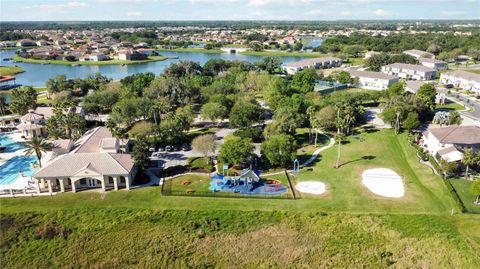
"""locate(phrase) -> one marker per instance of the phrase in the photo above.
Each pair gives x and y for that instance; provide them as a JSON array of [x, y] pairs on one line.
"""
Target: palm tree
[[468, 159], [37, 145], [341, 124], [3, 104]]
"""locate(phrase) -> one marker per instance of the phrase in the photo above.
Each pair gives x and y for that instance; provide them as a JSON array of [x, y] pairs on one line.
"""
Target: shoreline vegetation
[[10, 70], [279, 53], [201, 50], [108, 62]]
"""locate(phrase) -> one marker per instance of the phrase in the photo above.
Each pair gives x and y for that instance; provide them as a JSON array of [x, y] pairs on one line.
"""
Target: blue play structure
[[249, 183]]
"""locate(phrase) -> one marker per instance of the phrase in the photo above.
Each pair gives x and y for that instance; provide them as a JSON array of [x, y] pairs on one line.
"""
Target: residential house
[[412, 86], [432, 63], [26, 43], [42, 43], [373, 80], [462, 79], [449, 143], [419, 54], [128, 55], [7, 44], [410, 71], [95, 160], [96, 57], [316, 63], [147, 52]]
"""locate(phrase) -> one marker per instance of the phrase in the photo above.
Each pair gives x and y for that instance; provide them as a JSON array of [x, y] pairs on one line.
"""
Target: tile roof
[[104, 163], [91, 141], [414, 85], [371, 74], [465, 75], [468, 135], [411, 67]]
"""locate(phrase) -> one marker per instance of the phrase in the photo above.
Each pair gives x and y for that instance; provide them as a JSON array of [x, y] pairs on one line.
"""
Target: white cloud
[[134, 14], [58, 8], [279, 3], [382, 13], [315, 12]]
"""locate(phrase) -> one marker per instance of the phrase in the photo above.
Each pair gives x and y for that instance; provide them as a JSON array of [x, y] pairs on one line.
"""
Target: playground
[[248, 183]]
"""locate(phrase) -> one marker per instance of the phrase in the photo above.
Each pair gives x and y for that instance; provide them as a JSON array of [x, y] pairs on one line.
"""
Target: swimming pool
[[10, 144], [9, 171]]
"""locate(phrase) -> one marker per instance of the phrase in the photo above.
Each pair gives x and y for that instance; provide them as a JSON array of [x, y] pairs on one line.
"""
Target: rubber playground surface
[[247, 187]]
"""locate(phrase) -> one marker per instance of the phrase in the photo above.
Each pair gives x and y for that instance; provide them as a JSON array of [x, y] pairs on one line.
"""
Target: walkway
[[311, 159]]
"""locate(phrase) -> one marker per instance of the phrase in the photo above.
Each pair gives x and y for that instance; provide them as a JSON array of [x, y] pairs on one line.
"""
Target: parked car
[[169, 148], [161, 148], [449, 86]]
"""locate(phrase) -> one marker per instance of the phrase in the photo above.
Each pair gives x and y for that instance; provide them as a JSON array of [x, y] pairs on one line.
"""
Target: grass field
[[10, 70], [476, 71], [348, 227], [450, 106], [122, 238], [462, 187], [108, 62]]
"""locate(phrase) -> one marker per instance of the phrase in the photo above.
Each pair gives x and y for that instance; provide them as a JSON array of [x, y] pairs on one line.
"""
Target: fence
[[168, 189]]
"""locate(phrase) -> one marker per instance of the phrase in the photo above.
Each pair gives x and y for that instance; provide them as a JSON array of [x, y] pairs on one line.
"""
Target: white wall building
[[316, 63], [373, 80], [432, 63], [462, 79], [419, 53], [410, 71], [448, 143]]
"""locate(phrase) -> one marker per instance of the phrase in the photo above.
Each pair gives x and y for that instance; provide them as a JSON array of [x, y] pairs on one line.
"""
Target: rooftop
[[465, 75], [468, 135], [371, 74], [415, 67]]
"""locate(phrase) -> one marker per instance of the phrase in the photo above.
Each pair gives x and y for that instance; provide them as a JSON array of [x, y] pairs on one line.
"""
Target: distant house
[[316, 63], [59, 42], [432, 63], [449, 143], [96, 160], [93, 57], [419, 53], [462, 79], [410, 71], [141, 45], [412, 86], [128, 55], [7, 44], [373, 80], [147, 52], [42, 43], [26, 43]]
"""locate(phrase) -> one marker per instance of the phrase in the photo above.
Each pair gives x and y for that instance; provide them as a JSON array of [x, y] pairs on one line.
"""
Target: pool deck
[[17, 137]]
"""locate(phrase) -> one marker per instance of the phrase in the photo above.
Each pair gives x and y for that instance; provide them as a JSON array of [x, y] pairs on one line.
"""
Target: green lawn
[[462, 186], [10, 70], [450, 106], [192, 50], [348, 227], [108, 62], [477, 71]]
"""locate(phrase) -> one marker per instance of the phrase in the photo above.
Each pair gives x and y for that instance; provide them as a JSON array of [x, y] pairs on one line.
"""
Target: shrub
[[199, 163]]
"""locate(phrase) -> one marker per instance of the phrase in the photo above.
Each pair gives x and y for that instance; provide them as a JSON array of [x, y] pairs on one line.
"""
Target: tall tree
[[205, 144], [37, 145], [140, 152], [279, 150], [468, 160], [236, 150], [23, 99]]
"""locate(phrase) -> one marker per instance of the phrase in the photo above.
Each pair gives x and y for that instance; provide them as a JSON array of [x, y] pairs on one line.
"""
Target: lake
[[37, 74]]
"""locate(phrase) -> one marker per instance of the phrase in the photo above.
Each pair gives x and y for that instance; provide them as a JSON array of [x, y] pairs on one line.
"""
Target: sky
[[85, 10]]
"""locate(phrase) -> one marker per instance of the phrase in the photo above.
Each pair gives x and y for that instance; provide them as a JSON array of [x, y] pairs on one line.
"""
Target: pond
[[37, 74]]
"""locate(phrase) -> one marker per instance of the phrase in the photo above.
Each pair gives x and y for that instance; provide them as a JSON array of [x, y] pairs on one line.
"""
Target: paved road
[[475, 104]]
